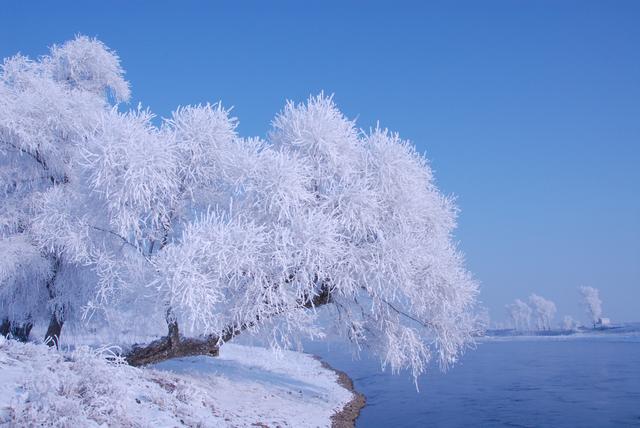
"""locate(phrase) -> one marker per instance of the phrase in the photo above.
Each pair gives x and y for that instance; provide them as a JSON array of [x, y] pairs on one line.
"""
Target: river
[[506, 382]]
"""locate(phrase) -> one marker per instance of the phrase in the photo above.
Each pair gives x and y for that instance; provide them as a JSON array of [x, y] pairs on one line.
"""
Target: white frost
[[126, 221], [244, 386]]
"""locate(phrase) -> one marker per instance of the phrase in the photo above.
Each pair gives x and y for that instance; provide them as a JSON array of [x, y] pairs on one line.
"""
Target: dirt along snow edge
[[346, 418], [244, 386]]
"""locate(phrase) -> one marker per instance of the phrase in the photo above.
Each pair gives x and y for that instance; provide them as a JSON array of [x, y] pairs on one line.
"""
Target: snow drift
[[245, 386]]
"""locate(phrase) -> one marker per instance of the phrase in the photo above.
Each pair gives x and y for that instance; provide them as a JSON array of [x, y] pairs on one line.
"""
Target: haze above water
[[575, 381]]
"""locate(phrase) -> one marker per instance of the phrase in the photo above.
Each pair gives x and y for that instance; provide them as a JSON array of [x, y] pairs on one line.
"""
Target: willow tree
[[181, 222]]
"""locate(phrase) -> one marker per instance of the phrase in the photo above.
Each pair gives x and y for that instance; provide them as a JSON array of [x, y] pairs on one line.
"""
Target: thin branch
[[38, 158], [425, 324], [122, 238], [26, 152]]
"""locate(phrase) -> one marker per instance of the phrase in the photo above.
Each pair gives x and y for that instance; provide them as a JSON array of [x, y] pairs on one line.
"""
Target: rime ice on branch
[[189, 224]]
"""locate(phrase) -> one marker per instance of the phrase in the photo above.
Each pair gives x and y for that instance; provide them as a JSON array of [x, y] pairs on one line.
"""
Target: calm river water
[[507, 382]]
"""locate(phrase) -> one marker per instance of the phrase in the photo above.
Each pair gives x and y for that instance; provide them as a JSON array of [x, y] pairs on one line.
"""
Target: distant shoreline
[[345, 418], [601, 331]]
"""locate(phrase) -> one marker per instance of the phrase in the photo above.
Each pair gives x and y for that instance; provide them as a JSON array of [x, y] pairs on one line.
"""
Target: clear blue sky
[[528, 110]]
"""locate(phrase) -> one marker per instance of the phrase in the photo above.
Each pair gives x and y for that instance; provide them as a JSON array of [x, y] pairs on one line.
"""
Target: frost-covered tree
[[544, 310], [48, 109], [520, 314], [592, 303], [569, 324], [190, 226]]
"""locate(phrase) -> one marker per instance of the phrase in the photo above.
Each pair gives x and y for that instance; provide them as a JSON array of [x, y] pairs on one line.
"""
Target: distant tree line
[[540, 312]]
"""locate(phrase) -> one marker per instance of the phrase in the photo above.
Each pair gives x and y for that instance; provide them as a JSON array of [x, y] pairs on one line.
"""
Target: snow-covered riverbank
[[245, 386]]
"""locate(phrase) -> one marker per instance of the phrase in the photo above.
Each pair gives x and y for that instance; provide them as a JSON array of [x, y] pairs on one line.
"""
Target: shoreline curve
[[345, 418]]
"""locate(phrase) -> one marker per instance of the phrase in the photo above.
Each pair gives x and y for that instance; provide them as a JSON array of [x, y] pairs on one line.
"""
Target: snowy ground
[[245, 386]]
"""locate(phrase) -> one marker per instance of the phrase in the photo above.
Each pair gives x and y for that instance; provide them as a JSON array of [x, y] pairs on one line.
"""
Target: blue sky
[[528, 110]]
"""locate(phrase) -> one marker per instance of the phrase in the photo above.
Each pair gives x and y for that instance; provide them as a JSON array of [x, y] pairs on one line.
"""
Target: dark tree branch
[[35, 156], [411, 317]]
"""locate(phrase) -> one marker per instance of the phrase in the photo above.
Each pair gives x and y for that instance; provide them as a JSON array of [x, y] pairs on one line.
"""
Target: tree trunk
[[21, 332], [165, 348], [52, 337], [18, 331], [5, 327], [172, 346]]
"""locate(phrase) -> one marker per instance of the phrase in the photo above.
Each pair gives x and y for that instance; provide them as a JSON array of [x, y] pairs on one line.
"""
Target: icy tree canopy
[[113, 218]]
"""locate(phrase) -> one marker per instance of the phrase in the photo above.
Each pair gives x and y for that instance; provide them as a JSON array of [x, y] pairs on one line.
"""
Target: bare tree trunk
[[165, 349], [21, 332], [5, 327], [52, 337], [174, 346], [18, 331]]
